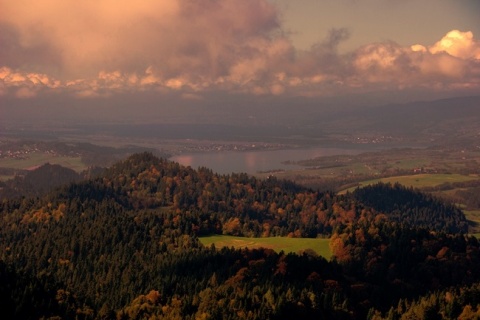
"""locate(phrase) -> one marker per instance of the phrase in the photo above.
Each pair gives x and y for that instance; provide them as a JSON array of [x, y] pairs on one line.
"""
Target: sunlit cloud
[[451, 63], [458, 44], [100, 48]]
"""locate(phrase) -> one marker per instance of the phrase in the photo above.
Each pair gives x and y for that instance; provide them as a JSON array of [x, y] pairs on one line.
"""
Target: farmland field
[[38, 159], [419, 180], [474, 217], [295, 245]]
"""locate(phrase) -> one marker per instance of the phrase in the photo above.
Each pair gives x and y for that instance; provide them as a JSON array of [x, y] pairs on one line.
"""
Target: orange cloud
[[458, 44], [99, 48], [175, 36], [452, 62]]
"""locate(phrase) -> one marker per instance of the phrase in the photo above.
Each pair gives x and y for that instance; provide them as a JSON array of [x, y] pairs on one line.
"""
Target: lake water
[[254, 161]]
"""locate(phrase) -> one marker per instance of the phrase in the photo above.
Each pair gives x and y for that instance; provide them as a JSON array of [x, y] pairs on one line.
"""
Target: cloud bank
[[100, 48]]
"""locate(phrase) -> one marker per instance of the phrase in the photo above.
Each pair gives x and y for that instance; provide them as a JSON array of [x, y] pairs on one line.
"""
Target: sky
[[96, 52]]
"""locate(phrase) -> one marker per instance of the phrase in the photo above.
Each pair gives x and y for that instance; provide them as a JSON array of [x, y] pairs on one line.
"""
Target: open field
[[463, 160], [320, 246], [419, 180], [474, 217], [38, 159]]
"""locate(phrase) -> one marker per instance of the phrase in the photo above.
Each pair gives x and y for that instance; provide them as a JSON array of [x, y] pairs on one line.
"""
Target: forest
[[124, 244]]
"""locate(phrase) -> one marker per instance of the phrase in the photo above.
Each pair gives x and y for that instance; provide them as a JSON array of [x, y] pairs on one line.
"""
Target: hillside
[[125, 245], [38, 181]]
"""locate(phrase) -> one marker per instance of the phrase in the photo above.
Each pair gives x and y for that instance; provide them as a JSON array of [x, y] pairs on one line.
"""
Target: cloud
[[101, 48], [174, 36], [458, 44], [451, 63]]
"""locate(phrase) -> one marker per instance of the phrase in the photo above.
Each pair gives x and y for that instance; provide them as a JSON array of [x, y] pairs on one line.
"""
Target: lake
[[254, 161]]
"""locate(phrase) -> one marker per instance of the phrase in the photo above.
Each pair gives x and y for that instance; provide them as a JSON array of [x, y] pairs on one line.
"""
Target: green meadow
[[418, 180], [295, 245], [474, 217], [37, 159]]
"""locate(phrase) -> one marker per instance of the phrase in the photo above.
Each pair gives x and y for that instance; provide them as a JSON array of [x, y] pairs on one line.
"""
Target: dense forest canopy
[[124, 245]]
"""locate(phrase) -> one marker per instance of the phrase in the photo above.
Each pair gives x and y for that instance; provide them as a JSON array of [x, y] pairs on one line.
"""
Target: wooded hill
[[38, 182], [125, 245]]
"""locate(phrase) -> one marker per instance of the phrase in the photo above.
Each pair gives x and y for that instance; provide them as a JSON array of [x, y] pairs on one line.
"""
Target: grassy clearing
[[474, 217], [320, 246], [38, 159], [419, 180]]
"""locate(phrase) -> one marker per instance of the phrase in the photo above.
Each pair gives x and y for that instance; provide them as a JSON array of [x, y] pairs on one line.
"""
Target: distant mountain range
[[438, 121], [458, 116], [294, 119]]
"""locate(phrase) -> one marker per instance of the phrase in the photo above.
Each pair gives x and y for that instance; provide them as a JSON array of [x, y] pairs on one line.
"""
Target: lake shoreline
[[255, 161]]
